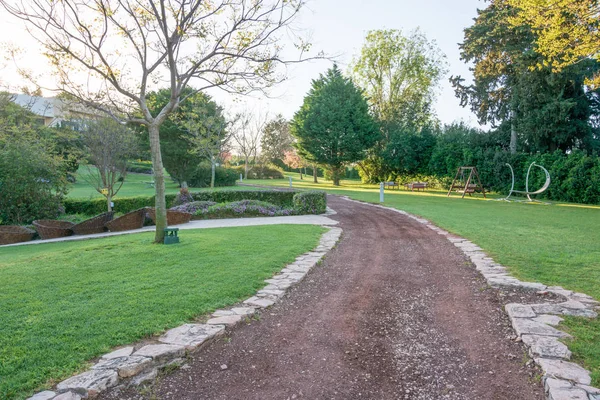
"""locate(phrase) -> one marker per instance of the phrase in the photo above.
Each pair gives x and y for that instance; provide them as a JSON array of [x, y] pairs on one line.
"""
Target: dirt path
[[395, 312]]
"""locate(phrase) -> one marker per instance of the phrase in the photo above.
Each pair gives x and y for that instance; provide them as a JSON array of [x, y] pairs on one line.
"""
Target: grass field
[[134, 185], [557, 244], [62, 304]]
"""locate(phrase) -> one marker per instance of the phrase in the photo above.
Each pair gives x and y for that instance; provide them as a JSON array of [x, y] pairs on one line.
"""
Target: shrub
[[312, 202], [184, 196], [262, 172], [122, 204], [277, 197], [32, 182], [223, 176], [140, 167], [245, 208], [194, 206]]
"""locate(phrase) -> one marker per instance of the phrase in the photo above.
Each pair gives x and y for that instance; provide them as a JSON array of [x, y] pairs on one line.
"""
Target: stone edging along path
[[534, 324], [134, 365]]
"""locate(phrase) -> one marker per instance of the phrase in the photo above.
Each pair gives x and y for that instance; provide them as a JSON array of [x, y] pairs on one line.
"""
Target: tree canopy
[[333, 126]]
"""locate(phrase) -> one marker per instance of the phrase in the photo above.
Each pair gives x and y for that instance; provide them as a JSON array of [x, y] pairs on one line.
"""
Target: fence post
[[381, 192]]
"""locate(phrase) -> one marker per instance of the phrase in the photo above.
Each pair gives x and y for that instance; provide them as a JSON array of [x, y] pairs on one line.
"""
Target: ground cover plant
[[243, 208], [62, 304], [554, 244]]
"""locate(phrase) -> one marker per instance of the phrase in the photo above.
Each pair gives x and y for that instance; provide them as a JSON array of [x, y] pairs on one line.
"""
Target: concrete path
[[204, 224]]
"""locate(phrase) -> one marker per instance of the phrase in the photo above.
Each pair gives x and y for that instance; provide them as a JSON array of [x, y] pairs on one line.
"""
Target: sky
[[336, 27]]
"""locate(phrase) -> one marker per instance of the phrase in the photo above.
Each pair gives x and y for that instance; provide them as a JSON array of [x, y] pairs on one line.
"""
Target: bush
[[127, 204], [277, 197], [245, 208], [194, 206], [122, 204], [312, 202], [223, 176], [261, 172], [140, 167], [184, 196], [32, 182]]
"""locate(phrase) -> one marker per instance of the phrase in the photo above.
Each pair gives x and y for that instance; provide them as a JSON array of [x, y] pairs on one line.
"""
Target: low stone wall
[[133, 365], [534, 324]]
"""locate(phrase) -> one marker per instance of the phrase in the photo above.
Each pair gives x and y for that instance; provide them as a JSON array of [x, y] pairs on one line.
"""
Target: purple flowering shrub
[[184, 196], [243, 208], [194, 206]]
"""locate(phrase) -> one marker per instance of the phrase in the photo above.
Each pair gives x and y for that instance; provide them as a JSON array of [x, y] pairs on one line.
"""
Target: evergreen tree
[[333, 127]]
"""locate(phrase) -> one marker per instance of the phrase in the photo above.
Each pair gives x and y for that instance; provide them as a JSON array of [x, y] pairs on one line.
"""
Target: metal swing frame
[[526, 191]]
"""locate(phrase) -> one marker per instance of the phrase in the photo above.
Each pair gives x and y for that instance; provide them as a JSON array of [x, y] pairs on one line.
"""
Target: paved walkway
[[395, 312], [203, 224]]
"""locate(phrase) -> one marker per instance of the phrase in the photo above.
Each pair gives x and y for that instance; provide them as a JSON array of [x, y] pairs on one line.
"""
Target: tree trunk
[[315, 180], [513, 135], [212, 172], [245, 168], [300, 170], [159, 184], [108, 201]]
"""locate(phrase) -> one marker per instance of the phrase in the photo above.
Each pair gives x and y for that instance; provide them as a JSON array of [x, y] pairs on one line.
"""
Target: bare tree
[[109, 146], [246, 134], [108, 54], [209, 135]]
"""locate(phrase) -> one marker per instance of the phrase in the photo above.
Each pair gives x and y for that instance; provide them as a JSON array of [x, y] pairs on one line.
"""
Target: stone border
[[534, 324], [133, 365]]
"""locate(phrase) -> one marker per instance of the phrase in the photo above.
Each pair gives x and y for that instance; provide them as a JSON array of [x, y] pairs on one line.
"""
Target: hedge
[[127, 204], [312, 202]]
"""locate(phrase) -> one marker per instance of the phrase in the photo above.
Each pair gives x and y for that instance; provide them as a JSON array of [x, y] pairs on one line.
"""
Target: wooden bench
[[416, 185], [388, 185]]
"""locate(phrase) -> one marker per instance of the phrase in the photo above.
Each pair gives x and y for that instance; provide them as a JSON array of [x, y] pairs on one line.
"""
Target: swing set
[[467, 186]]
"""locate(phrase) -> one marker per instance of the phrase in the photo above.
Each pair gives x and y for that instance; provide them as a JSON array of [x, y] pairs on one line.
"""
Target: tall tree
[[182, 131], [276, 139], [399, 74], [546, 110], [567, 30], [109, 54], [333, 126], [109, 145]]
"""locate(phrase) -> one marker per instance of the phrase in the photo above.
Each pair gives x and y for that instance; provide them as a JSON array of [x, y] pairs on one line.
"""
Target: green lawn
[[62, 304], [135, 185], [556, 244]]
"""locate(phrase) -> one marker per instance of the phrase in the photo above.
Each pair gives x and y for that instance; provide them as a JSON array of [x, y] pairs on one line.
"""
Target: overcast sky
[[335, 27]]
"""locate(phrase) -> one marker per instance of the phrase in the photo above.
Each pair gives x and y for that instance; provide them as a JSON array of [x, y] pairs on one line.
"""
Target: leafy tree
[[293, 160], [333, 127], [276, 139], [182, 132], [550, 110], [567, 30], [32, 182], [108, 55], [109, 146], [399, 74]]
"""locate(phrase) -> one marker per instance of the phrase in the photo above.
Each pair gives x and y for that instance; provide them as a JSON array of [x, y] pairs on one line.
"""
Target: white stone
[[547, 319], [272, 292], [228, 320], [91, 382], [243, 310], [125, 366], [68, 396], [515, 310], [590, 389], [190, 335], [546, 346], [124, 352], [258, 302], [222, 313], [145, 377], [160, 352], [571, 307], [45, 395], [524, 326], [564, 370], [567, 394]]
